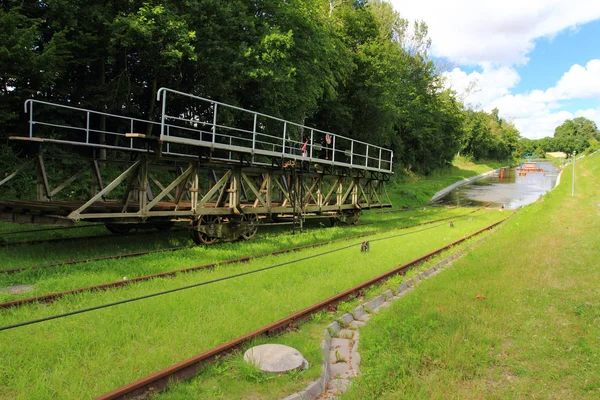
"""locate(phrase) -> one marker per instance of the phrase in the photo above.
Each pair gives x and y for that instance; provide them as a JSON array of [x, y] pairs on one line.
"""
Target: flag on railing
[[328, 138]]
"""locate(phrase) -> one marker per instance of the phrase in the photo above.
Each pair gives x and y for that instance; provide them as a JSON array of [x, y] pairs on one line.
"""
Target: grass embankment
[[88, 354], [518, 317]]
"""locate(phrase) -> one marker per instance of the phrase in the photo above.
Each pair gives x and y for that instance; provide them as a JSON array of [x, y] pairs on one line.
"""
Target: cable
[[85, 310]]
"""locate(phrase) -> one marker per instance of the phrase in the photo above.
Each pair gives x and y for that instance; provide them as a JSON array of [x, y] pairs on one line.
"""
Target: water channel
[[510, 188]]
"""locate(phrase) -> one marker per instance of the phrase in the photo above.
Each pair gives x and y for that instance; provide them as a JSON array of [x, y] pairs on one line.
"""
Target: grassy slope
[[535, 335], [417, 190]]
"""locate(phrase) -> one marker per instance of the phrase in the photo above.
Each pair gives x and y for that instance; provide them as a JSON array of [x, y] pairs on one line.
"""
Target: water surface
[[508, 189]]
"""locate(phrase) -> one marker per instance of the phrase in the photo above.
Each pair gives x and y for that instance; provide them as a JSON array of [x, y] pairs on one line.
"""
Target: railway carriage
[[223, 169]]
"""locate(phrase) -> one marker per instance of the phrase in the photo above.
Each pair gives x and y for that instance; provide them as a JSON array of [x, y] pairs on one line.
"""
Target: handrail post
[[333, 150], [284, 132], [379, 168], [254, 133], [214, 127], [312, 133], [87, 128], [130, 130], [168, 143], [391, 159], [164, 109], [352, 152], [30, 119], [367, 157]]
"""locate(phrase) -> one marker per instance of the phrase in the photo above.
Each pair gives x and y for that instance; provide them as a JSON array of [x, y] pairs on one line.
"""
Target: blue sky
[[537, 61], [553, 56]]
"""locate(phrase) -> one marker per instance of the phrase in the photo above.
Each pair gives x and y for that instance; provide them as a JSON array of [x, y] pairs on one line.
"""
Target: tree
[[574, 135]]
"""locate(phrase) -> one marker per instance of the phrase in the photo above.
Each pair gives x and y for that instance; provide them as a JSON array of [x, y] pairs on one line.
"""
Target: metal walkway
[[230, 133]]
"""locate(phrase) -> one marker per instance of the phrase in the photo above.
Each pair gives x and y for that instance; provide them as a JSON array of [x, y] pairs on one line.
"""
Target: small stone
[[18, 289], [275, 358]]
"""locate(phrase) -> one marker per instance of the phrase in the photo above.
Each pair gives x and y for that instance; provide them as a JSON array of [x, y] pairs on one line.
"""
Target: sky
[[537, 61]]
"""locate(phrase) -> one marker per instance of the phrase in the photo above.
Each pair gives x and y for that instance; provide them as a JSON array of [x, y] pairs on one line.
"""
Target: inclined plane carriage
[[224, 169]]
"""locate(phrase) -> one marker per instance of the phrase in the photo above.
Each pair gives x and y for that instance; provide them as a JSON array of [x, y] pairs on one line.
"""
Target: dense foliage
[[487, 137], [574, 135], [354, 67]]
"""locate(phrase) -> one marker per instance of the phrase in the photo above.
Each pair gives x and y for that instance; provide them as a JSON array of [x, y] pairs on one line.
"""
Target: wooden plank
[[26, 139]]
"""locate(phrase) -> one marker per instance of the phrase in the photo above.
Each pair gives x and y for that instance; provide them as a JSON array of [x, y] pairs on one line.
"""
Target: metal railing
[[84, 127], [205, 123], [223, 126]]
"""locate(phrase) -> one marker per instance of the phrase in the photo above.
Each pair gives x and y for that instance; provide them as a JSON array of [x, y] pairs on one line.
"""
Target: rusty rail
[[86, 260], [158, 381], [74, 238], [47, 298]]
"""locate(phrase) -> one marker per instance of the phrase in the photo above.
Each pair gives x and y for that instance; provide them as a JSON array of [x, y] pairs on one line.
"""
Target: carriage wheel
[[118, 229], [201, 237], [252, 218]]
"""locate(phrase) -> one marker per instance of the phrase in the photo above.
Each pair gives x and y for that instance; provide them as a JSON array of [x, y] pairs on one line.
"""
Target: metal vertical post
[[163, 116], [254, 134], [312, 133], [352, 152], [169, 144], [87, 128], [367, 156], [31, 119], [333, 150], [214, 127], [391, 160], [573, 183], [130, 130], [284, 131], [379, 167]]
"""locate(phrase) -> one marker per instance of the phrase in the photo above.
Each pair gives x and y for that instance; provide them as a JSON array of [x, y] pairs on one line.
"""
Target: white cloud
[[537, 113], [496, 36], [578, 83], [473, 32], [481, 88]]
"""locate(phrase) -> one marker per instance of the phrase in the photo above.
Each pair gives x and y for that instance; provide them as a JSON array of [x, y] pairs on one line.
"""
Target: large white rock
[[275, 358]]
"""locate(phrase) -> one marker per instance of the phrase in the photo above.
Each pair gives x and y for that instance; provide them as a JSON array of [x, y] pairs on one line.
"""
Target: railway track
[[79, 238], [115, 284], [159, 380], [56, 228], [142, 253]]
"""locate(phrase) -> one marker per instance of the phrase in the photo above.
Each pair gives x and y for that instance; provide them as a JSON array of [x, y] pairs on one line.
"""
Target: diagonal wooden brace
[[76, 215]]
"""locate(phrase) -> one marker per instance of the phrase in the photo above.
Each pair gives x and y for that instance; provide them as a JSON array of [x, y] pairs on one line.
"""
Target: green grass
[[230, 377], [535, 335], [79, 275], [85, 355]]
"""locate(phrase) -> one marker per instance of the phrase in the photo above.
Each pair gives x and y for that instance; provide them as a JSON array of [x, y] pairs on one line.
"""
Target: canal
[[509, 188]]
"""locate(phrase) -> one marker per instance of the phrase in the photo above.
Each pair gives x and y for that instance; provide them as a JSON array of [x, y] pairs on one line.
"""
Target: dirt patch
[[18, 289]]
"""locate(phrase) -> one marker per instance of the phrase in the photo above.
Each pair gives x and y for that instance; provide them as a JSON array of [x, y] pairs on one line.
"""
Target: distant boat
[[529, 167]]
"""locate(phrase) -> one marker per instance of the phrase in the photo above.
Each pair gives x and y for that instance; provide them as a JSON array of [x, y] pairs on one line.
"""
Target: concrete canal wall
[[450, 188]]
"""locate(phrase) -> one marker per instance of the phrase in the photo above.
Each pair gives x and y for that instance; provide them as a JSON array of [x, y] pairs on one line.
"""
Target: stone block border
[[341, 359]]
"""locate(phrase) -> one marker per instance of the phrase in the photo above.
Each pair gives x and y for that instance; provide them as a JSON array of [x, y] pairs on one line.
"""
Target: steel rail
[[56, 228], [158, 381], [87, 260], [142, 253], [74, 238], [50, 297]]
